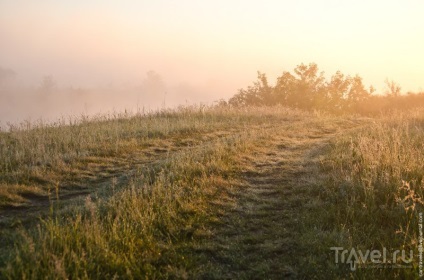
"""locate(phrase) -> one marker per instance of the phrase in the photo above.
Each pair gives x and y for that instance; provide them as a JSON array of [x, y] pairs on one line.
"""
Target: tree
[[153, 83], [284, 89], [306, 89], [393, 89], [48, 84], [337, 91], [310, 86], [261, 93], [357, 94]]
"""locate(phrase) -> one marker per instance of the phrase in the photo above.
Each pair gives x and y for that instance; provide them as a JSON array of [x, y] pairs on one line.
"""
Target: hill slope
[[217, 193]]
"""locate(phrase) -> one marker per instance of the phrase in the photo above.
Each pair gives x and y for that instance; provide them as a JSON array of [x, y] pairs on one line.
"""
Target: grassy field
[[211, 193], [372, 195]]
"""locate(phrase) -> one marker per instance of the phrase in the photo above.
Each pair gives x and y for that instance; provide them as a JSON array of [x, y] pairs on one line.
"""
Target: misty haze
[[50, 100], [211, 139]]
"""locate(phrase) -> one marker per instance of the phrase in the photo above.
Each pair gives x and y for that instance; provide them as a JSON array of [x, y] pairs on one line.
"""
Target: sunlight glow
[[202, 42]]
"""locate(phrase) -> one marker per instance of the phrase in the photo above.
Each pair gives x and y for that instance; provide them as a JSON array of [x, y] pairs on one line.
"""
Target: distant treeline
[[308, 89]]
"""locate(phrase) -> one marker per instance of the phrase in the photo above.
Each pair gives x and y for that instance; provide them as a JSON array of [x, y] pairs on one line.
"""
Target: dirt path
[[96, 175], [259, 238]]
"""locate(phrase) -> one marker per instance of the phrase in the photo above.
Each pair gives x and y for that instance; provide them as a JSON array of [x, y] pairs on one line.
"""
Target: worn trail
[[259, 238]]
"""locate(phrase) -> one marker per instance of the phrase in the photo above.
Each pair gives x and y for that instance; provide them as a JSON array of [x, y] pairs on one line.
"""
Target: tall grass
[[38, 156], [143, 229], [373, 194], [137, 233], [31, 144], [366, 194]]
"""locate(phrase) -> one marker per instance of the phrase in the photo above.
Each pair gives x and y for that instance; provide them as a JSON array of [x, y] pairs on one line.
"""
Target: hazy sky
[[215, 44]]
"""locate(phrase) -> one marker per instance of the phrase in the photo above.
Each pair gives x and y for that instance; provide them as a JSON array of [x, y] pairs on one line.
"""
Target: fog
[[104, 56], [49, 100]]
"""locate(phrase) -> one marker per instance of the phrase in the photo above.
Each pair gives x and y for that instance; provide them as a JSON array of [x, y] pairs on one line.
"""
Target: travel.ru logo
[[372, 258]]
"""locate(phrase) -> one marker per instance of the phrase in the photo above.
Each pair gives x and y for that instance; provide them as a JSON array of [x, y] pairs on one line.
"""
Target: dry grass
[[71, 152], [138, 229], [371, 196], [258, 236], [14, 195], [213, 193]]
